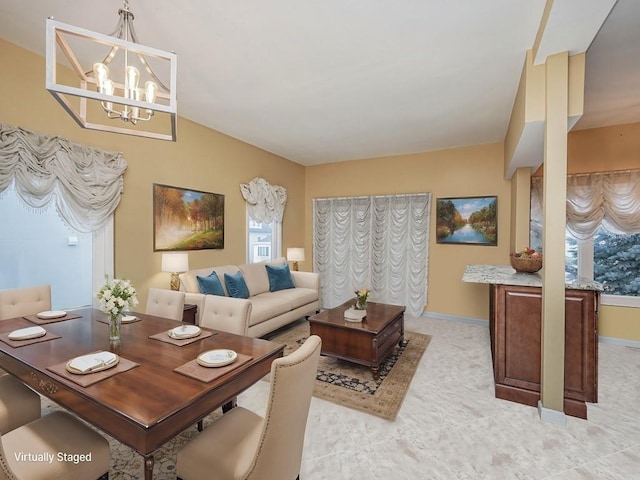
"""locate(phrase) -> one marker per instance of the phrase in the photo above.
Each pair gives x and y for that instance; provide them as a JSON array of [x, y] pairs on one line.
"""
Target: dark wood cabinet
[[515, 329], [189, 315]]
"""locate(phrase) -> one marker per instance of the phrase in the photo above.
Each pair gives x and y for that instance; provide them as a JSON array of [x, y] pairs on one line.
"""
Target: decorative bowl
[[525, 264]]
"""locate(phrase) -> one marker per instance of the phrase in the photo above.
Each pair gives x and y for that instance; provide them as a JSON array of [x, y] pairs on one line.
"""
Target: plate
[[129, 318], [217, 358], [27, 333], [92, 363], [51, 314], [184, 331], [353, 315]]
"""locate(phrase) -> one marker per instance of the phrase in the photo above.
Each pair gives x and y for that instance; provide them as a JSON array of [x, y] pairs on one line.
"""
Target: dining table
[[158, 388]]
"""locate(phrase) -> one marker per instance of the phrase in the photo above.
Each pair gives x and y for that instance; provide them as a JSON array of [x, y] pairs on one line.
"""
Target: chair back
[[17, 302], [165, 303], [279, 453], [226, 314]]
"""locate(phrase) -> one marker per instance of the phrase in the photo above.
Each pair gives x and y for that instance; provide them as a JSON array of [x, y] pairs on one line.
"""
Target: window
[[263, 240], [39, 249]]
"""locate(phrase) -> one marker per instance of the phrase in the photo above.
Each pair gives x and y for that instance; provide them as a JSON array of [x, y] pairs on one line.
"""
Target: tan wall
[[461, 172], [201, 159]]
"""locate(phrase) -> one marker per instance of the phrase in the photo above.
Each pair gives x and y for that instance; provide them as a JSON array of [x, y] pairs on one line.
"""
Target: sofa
[[269, 305]]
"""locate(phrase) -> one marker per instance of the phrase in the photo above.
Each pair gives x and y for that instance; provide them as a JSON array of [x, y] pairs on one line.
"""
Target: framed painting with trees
[[467, 220], [186, 219]]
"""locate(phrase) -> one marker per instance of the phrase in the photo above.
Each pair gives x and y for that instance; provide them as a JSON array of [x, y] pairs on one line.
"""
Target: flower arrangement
[[361, 298], [114, 296]]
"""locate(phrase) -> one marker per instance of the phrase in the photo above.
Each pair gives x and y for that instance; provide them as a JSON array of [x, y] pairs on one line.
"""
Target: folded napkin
[[185, 331], [86, 363]]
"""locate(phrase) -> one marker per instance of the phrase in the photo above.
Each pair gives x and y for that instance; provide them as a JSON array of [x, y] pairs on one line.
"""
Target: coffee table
[[367, 342]]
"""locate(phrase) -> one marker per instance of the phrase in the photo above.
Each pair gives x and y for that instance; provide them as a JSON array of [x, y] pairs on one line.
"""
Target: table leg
[[376, 372], [148, 467], [229, 405]]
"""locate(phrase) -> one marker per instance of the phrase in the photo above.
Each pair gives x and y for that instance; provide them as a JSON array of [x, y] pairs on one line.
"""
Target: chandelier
[[115, 87]]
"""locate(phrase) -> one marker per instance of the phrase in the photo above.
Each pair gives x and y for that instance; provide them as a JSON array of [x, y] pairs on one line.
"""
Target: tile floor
[[451, 426]]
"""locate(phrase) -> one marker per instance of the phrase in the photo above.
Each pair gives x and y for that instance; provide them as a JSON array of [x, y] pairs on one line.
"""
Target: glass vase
[[115, 322], [361, 303]]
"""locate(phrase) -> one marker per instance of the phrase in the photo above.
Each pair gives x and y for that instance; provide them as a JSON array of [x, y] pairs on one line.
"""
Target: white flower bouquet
[[115, 295]]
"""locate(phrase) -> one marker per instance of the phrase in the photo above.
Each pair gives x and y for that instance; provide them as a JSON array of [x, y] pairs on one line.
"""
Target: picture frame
[[186, 219], [467, 220]]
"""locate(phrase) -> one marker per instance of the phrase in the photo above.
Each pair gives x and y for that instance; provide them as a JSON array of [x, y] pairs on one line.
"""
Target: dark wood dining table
[[145, 406]]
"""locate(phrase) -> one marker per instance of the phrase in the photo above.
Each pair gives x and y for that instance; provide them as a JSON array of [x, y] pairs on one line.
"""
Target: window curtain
[[265, 202], [610, 199], [376, 242], [86, 182]]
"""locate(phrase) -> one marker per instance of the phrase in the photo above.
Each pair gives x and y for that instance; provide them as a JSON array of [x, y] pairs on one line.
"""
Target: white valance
[[266, 202], [86, 182], [608, 199]]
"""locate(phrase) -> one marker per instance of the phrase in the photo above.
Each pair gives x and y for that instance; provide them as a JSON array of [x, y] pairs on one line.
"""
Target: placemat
[[91, 378], [23, 343], [206, 374], [106, 320], [44, 321], [164, 337]]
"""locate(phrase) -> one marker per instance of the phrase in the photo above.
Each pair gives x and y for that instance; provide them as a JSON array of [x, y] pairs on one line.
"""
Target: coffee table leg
[[376, 372], [148, 467]]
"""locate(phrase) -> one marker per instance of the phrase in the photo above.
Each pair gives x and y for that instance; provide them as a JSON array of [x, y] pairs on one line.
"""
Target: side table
[[189, 315]]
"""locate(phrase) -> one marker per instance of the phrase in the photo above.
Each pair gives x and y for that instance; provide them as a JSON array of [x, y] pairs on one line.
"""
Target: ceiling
[[336, 80]]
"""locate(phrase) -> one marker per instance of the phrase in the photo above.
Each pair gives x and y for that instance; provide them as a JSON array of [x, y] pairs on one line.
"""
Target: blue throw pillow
[[236, 286], [210, 285], [279, 277]]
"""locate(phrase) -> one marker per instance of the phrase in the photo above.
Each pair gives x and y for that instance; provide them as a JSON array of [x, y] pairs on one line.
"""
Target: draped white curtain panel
[[86, 182], [610, 199], [265, 202], [376, 242]]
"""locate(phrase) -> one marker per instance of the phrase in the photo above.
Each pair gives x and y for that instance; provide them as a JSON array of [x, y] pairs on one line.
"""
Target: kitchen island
[[515, 318]]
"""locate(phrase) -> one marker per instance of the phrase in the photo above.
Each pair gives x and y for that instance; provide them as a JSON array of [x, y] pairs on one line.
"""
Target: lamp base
[[295, 266], [175, 281]]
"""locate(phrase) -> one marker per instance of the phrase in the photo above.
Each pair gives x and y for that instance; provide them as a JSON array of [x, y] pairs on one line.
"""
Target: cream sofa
[[266, 310]]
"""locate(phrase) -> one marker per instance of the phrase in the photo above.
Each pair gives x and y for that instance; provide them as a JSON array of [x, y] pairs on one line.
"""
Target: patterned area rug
[[353, 385]]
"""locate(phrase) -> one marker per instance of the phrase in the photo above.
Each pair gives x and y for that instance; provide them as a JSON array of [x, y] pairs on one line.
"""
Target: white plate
[[51, 314], [27, 333], [184, 331], [93, 362], [129, 318], [353, 315], [217, 358]]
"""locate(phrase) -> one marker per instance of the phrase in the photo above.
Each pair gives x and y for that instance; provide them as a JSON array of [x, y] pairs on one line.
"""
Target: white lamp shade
[[175, 262], [295, 254]]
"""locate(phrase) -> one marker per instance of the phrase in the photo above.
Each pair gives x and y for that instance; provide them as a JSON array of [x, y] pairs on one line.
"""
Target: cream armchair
[[244, 445], [17, 302]]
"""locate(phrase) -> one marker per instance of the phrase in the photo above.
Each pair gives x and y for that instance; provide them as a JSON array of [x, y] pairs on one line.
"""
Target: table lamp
[[175, 263], [295, 255]]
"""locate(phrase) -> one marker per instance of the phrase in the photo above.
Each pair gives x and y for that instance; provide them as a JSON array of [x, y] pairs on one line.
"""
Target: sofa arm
[[306, 280], [227, 314]]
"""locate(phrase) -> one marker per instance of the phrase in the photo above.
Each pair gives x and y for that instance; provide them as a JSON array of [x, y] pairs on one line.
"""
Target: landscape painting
[[467, 220], [187, 219]]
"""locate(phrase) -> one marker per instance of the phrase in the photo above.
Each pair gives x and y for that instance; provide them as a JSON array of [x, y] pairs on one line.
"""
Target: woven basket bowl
[[526, 264]]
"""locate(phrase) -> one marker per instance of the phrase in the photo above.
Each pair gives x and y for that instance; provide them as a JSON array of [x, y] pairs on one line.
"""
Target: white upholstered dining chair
[[17, 302], [242, 445], [233, 318], [52, 435], [165, 303]]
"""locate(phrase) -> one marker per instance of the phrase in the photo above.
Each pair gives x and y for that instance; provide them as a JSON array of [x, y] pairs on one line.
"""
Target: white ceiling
[[336, 80]]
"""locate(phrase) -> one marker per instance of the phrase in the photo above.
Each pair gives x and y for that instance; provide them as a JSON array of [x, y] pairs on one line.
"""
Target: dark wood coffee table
[[367, 342]]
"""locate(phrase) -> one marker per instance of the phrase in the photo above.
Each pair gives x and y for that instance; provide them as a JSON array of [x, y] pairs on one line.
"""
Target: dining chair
[[243, 445], [53, 447], [19, 404], [233, 318], [165, 303], [17, 302]]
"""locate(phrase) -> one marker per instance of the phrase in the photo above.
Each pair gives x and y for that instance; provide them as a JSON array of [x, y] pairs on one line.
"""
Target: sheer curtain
[[377, 242], [610, 199]]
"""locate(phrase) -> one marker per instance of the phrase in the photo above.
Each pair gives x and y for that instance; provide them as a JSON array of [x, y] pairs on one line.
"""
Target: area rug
[[353, 385]]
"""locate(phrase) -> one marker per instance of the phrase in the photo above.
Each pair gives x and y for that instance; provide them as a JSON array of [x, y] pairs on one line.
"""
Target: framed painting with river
[[467, 220]]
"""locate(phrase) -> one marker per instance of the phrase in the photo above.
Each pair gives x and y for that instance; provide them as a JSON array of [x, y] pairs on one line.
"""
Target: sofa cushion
[[210, 285], [297, 297], [189, 280], [279, 277], [255, 276], [267, 306], [236, 285]]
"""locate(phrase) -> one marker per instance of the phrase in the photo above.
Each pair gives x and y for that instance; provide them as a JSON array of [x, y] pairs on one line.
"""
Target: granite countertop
[[506, 275]]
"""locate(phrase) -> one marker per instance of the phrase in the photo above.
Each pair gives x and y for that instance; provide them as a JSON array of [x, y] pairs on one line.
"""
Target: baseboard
[[620, 342], [548, 415], [456, 318]]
